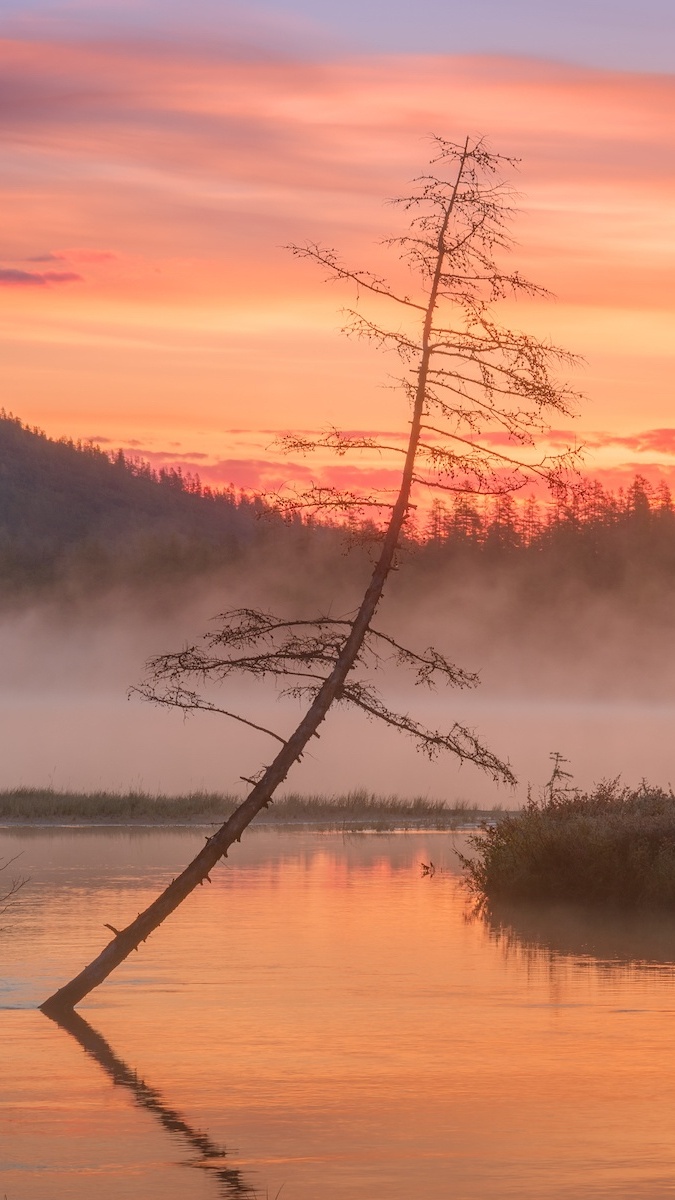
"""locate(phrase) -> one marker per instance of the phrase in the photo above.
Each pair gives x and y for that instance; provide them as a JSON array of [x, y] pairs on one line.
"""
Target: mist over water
[[591, 676]]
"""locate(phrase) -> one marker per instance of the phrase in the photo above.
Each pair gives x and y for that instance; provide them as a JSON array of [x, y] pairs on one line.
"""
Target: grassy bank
[[358, 810], [613, 846]]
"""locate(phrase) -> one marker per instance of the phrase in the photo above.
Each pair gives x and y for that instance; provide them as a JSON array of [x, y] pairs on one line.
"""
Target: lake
[[326, 1022]]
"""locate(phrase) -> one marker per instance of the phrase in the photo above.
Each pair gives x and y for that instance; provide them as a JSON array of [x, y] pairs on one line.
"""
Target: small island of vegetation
[[613, 845]]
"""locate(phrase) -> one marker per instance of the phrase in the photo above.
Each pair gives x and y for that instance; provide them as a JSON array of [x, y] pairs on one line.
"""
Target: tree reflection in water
[[231, 1183]]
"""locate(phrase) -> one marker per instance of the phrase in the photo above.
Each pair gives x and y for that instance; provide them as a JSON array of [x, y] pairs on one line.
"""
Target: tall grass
[[613, 845], [353, 811]]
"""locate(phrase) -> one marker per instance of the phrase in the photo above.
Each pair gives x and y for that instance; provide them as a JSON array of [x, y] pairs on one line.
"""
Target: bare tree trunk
[[217, 846]]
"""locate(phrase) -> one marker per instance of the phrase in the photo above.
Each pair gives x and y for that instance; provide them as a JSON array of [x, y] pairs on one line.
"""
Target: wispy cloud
[[176, 172], [647, 441], [78, 255], [10, 277], [612, 459]]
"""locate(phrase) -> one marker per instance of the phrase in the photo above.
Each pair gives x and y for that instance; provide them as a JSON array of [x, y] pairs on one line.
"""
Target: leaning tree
[[464, 377]]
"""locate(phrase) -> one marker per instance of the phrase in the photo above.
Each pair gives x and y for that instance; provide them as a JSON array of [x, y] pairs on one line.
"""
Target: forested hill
[[70, 514], [67, 507]]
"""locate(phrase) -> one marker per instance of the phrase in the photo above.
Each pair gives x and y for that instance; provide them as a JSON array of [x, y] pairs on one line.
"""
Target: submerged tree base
[[612, 846]]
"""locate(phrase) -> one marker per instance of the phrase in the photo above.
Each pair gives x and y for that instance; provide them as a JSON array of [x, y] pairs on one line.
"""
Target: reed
[[614, 845], [355, 810]]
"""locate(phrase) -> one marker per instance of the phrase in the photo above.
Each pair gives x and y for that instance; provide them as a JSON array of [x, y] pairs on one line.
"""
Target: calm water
[[326, 1020]]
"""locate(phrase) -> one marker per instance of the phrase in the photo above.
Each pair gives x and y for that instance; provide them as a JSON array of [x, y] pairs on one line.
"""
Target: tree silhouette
[[464, 378]]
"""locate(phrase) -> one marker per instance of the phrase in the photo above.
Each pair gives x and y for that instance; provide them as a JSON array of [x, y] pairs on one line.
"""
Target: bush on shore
[[614, 845]]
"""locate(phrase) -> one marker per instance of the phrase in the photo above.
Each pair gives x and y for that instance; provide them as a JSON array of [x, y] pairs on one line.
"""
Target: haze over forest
[[565, 610]]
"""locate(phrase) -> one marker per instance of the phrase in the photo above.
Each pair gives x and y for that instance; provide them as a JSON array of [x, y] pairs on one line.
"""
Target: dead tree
[[464, 379]]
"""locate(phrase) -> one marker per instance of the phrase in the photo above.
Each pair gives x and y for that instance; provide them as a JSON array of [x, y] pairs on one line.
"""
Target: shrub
[[613, 845]]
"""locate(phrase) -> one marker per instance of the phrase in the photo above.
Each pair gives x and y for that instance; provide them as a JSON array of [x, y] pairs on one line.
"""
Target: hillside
[[68, 509], [72, 515]]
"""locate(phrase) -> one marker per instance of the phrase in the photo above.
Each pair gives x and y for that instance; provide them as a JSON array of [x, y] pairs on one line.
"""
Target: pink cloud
[[647, 441], [84, 256], [281, 476], [253, 475], [621, 476], [187, 461], [80, 256], [10, 277], [268, 120], [266, 474], [195, 167], [273, 150], [654, 441]]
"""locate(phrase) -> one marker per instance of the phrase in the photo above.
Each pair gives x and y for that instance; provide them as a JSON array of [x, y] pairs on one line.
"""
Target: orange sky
[[146, 299]]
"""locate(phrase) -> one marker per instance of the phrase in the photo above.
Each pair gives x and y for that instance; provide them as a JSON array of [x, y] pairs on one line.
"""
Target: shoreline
[[357, 811], [332, 826]]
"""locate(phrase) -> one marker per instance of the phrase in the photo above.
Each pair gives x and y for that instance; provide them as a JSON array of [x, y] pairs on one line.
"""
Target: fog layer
[[590, 676]]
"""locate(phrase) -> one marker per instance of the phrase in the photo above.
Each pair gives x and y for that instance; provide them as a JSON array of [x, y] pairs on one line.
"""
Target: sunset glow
[[149, 189], [337, 555]]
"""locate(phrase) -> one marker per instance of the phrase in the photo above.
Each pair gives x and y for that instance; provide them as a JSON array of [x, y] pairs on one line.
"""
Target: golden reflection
[[327, 1009], [210, 1156]]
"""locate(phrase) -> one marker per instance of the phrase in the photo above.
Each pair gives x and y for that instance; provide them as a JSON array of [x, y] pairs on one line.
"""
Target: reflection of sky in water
[[339, 1023]]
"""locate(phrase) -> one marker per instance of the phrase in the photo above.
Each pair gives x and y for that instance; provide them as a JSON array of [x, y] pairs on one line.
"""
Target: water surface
[[326, 1019]]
